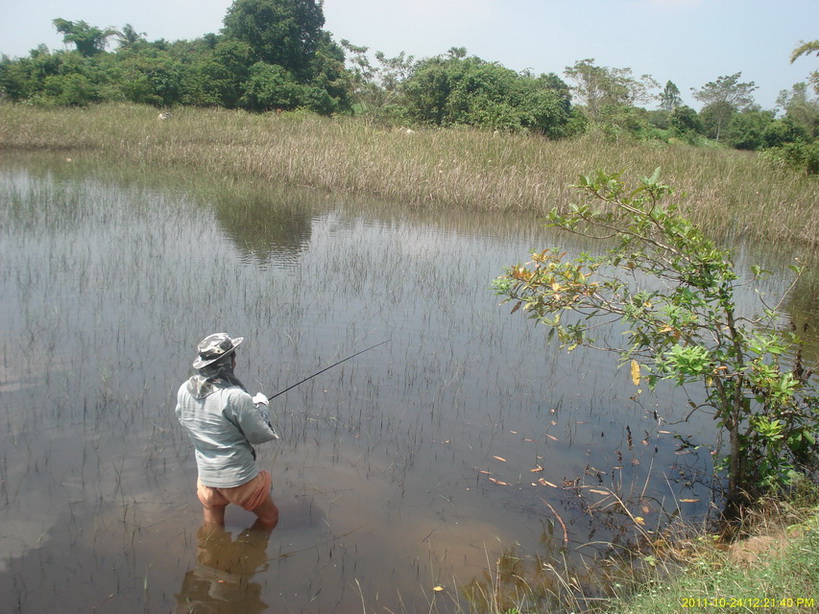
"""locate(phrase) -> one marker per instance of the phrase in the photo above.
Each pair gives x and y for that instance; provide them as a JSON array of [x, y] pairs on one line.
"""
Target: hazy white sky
[[689, 42]]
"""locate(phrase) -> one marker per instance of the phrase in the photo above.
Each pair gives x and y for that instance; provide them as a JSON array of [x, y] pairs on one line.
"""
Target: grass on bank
[[728, 192], [773, 567], [770, 565]]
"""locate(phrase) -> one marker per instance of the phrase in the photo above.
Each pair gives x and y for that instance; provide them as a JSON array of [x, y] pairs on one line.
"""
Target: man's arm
[[254, 419]]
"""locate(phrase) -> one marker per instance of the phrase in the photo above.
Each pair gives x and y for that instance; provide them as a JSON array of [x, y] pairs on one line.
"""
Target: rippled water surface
[[407, 469]]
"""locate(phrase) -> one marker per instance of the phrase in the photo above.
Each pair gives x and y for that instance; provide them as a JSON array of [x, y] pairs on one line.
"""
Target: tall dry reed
[[727, 192]]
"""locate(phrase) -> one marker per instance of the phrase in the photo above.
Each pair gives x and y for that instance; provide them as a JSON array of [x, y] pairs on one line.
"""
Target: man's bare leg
[[267, 513], [214, 515]]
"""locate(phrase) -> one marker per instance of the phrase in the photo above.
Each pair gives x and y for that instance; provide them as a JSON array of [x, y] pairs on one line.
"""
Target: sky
[[689, 42]]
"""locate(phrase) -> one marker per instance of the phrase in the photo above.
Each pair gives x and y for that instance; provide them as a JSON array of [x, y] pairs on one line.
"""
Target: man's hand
[[262, 404], [260, 398]]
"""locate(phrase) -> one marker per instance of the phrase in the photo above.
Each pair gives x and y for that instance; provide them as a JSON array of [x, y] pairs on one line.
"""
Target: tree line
[[275, 55]]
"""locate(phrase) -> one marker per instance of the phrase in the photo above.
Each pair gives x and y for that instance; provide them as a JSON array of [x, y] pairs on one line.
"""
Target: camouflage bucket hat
[[214, 347]]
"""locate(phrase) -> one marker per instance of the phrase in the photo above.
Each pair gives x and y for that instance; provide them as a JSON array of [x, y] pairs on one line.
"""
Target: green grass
[[771, 566], [774, 569], [727, 192]]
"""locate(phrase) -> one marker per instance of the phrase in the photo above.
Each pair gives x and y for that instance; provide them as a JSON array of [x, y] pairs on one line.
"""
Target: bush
[[799, 155], [675, 291]]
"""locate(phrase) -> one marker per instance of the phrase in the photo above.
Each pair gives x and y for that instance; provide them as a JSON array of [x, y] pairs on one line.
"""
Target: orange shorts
[[249, 495]]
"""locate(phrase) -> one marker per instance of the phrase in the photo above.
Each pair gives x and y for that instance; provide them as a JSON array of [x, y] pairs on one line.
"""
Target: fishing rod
[[335, 364]]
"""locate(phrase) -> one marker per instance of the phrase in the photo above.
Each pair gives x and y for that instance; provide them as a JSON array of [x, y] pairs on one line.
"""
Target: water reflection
[[222, 580], [269, 228]]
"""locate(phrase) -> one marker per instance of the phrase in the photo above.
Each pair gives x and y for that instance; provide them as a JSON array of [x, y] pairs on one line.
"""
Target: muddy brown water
[[408, 469]]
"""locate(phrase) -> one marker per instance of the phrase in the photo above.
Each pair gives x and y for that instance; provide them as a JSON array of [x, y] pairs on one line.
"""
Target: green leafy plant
[[674, 290]]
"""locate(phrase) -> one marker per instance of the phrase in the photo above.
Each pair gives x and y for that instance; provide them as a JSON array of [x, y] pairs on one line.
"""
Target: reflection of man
[[224, 422], [221, 582]]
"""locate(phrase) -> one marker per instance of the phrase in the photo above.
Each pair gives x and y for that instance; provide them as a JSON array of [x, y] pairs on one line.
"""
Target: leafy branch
[[674, 291]]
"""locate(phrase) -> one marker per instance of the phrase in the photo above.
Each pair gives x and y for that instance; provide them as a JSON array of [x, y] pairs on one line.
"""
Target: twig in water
[[562, 524]]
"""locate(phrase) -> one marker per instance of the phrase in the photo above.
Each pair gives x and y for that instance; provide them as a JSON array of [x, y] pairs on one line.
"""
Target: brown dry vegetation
[[727, 192]]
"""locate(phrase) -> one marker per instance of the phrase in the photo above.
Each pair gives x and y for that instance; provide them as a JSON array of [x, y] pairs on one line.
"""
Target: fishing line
[[335, 364]]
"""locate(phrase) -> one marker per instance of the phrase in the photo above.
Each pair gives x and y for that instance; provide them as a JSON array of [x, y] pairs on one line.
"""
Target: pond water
[[402, 474]]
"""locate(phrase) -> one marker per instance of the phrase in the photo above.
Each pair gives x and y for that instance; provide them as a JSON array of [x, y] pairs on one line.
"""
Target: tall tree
[[807, 49], [724, 97], [286, 33], [128, 36], [88, 39], [670, 97], [800, 108], [600, 88]]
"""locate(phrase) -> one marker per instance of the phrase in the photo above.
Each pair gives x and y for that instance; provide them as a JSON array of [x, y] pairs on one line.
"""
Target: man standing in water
[[224, 422]]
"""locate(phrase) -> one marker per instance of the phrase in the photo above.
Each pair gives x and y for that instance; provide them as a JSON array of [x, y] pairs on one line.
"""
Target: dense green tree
[[14, 79], [723, 98], [784, 130], [225, 71], [72, 89], [330, 74], [427, 91], [232, 69], [152, 76], [282, 32], [685, 122], [747, 130], [89, 40], [270, 87], [659, 118], [63, 77], [452, 89]]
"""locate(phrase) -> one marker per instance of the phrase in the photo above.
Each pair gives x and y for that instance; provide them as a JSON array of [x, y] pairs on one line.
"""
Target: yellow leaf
[[635, 372]]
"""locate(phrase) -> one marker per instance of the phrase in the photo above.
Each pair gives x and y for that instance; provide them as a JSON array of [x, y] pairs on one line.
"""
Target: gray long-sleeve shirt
[[223, 427]]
